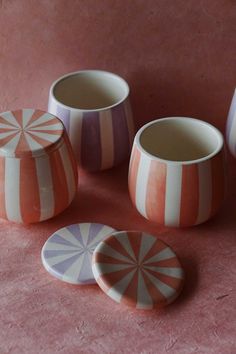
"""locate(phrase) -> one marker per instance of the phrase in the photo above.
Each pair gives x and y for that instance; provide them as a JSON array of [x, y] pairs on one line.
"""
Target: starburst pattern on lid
[[137, 269], [67, 254], [28, 132]]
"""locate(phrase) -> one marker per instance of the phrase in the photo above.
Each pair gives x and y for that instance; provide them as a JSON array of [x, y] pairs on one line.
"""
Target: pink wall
[[178, 56]]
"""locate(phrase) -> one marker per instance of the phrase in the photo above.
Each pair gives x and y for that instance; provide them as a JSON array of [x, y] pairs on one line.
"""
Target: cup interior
[[90, 90], [180, 139]]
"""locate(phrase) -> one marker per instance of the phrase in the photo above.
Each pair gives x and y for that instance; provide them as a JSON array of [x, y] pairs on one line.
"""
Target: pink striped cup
[[38, 172], [96, 112], [176, 174]]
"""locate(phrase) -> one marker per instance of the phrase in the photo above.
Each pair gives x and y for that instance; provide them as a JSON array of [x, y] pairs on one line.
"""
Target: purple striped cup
[[95, 109]]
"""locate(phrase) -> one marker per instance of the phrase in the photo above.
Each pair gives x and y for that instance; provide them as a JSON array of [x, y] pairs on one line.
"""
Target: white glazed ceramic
[[38, 172], [176, 175], [231, 126], [67, 254], [95, 109]]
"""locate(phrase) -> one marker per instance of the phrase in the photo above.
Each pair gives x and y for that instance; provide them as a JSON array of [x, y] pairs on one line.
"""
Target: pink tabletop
[[179, 59], [39, 311]]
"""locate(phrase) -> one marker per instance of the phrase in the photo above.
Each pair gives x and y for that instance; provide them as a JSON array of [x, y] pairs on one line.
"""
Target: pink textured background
[[179, 58]]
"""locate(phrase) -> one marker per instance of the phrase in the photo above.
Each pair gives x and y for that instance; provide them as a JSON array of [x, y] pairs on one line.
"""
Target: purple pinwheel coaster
[[67, 254]]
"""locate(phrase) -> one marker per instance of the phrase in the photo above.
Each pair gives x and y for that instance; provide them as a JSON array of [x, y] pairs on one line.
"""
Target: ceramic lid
[[137, 269], [29, 132], [67, 254]]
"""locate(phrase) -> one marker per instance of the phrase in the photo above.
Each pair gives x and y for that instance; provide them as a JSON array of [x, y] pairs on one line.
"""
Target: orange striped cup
[[38, 172], [176, 174]]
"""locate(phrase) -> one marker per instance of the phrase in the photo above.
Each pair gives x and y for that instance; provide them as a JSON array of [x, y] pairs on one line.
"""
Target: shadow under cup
[[176, 174], [95, 109]]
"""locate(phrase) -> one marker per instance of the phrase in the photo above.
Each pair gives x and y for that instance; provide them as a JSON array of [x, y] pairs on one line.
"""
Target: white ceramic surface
[[231, 126], [67, 254]]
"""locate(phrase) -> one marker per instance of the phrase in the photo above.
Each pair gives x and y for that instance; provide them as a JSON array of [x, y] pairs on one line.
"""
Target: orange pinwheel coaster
[[137, 269]]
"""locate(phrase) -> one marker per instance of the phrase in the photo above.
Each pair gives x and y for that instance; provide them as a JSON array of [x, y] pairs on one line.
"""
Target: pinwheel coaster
[[137, 269], [67, 254]]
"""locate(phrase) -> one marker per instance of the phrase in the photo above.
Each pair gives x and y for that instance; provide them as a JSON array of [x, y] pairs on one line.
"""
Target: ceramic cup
[[38, 173], [176, 175], [96, 112], [231, 126]]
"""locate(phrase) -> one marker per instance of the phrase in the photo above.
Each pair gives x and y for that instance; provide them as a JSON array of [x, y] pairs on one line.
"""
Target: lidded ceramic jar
[[38, 172]]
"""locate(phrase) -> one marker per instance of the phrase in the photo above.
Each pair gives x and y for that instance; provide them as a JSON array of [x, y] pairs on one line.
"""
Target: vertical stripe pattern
[[67, 166], [29, 190], [156, 188], [44, 176], [75, 132], [38, 173], [133, 172], [107, 143], [173, 194], [142, 184], [101, 139], [2, 189], [120, 134], [59, 181], [205, 191], [91, 141], [12, 189], [189, 195]]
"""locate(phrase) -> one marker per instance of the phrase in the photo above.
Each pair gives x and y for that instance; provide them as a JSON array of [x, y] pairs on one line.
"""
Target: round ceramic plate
[[67, 254], [137, 269]]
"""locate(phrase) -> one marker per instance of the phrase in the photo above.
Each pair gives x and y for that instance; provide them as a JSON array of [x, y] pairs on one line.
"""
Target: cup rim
[[186, 162], [63, 77]]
